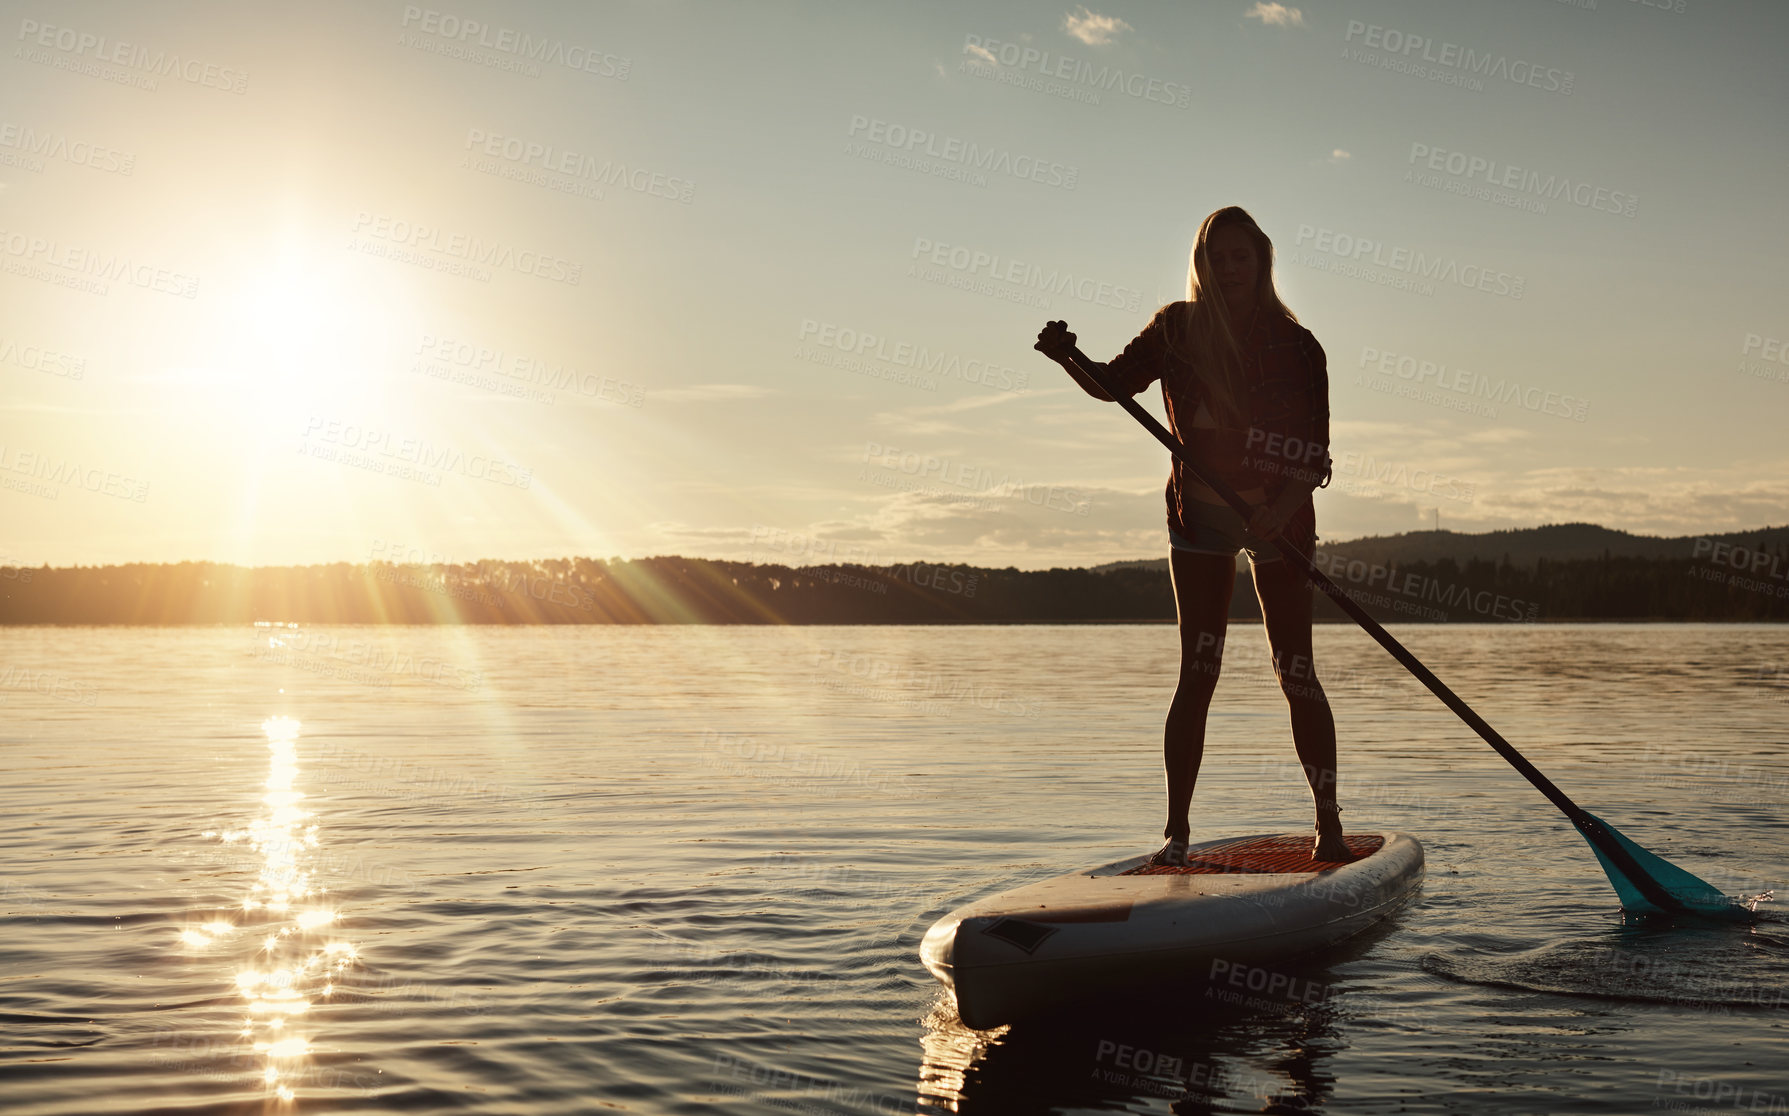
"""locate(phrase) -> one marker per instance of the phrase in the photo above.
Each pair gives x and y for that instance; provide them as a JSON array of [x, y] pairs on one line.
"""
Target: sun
[[311, 329], [299, 325]]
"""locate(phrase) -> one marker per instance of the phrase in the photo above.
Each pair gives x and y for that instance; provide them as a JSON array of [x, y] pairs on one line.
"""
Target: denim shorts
[[1217, 529]]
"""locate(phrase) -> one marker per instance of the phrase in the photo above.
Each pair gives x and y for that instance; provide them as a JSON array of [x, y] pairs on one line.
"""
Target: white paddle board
[[1241, 899]]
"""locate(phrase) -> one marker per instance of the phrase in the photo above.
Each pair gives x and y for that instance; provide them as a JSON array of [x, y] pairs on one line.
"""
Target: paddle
[[1642, 880]]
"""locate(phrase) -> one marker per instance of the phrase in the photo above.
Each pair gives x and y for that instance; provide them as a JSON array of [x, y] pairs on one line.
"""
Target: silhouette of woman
[[1247, 392]]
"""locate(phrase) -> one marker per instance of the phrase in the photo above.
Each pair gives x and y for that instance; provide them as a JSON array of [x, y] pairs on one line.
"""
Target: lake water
[[672, 870]]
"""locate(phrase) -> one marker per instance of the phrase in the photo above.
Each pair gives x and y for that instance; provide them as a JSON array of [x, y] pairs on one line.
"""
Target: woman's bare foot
[[1171, 855], [1330, 845]]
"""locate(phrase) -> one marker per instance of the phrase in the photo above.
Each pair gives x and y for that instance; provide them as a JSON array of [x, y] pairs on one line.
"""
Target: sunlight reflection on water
[[283, 910]]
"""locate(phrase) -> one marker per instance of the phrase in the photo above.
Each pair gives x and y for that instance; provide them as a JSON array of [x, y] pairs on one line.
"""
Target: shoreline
[[1321, 621]]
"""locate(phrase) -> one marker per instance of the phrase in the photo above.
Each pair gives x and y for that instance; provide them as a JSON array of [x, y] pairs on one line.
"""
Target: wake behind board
[[1240, 899]]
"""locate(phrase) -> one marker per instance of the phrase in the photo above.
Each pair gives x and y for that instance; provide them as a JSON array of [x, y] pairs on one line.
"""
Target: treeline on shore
[[1730, 585]]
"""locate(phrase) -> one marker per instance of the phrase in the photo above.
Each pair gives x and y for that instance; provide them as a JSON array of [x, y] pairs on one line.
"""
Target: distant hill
[[1561, 542], [1573, 571]]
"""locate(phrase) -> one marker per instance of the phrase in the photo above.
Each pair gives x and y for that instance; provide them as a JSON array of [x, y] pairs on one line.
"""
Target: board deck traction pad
[[1260, 855]]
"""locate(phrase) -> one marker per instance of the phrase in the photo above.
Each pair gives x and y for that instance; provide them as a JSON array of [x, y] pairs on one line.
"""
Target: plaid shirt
[[1287, 376]]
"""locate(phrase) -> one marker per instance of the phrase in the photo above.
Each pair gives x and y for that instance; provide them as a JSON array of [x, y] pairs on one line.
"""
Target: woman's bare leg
[[1202, 587], [1285, 596]]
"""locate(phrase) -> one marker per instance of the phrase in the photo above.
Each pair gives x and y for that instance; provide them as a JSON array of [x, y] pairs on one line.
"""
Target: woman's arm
[[1132, 370], [1087, 383], [1308, 467], [1318, 363]]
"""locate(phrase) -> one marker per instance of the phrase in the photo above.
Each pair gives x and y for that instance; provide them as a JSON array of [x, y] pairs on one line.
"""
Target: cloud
[[1339, 156], [1019, 522], [59, 409], [1497, 436], [983, 53], [1275, 15], [954, 407], [728, 535], [1092, 28], [1647, 499], [977, 402], [1644, 499], [704, 393], [918, 426], [935, 420]]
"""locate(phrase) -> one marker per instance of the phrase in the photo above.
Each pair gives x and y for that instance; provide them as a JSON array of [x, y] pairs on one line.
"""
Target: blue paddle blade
[[1694, 893]]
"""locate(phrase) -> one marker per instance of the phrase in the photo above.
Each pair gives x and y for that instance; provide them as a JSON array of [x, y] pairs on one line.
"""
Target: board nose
[[938, 950]]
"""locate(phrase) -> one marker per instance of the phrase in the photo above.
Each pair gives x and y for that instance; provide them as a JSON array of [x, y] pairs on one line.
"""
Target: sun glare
[[311, 329]]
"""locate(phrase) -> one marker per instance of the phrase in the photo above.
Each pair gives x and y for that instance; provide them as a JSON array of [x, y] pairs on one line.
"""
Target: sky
[[760, 281]]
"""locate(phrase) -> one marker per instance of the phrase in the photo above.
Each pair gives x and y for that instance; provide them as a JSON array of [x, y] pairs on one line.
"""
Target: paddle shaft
[[1587, 825]]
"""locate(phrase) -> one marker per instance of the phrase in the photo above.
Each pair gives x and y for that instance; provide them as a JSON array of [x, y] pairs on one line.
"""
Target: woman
[[1247, 391]]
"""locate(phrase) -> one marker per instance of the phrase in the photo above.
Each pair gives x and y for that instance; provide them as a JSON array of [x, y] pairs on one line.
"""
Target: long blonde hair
[[1205, 339]]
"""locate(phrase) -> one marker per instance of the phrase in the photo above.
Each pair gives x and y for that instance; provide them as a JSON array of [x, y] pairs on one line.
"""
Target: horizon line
[[915, 561]]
